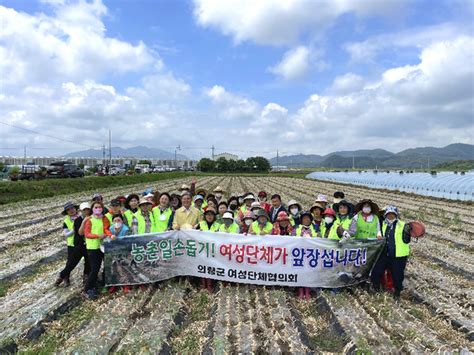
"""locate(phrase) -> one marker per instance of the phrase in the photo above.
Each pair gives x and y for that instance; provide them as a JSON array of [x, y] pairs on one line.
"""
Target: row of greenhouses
[[445, 185]]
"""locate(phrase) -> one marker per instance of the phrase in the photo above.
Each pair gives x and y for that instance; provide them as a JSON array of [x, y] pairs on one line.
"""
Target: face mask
[[262, 199], [97, 211], [390, 221], [241, 201], [227, 222], [366, 210], [337, 200], [118, 225], [218, 195], [294, 210], [328, 220], [248, 222], [233, 207]]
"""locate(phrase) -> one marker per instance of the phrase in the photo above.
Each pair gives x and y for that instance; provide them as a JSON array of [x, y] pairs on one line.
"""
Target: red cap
[[329, 212], [262, 193]]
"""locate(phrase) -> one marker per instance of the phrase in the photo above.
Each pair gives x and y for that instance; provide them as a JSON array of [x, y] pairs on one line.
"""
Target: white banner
[[260, 260]]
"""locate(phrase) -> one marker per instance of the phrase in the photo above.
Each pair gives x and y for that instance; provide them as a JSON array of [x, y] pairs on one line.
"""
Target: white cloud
[[281, 22], [71, 45], [294, 65], [367, 51], [430, 103], [232, 106], [347, 83], [53, 69]]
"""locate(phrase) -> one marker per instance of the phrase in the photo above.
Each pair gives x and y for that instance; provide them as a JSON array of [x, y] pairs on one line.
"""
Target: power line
[[46, 135]]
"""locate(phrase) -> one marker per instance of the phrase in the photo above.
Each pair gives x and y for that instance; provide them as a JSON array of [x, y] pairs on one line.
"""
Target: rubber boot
[[307, 293], [58, 281], [67, 281], [202, 283], [210, 285], [126, 289], [300, 293]]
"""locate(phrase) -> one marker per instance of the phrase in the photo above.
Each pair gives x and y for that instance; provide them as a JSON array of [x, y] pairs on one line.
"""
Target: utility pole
[[213, 148], [110, 147], [24, 153], [278, 160], [176, 156], [428, 163], [103, 157], [353, 161]]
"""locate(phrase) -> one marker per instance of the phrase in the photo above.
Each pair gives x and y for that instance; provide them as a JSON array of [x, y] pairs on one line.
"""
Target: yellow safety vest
[[214, 227], [401, 248], [267, 228], [97, 228], [233, 228], [366, 230], [161, 219], [70, 226], [299, 231]]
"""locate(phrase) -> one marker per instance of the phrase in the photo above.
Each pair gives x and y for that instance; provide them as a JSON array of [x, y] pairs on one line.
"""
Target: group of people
[[88, 225]]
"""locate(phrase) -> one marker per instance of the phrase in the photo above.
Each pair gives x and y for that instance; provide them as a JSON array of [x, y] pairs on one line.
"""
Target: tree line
[[222, 165]]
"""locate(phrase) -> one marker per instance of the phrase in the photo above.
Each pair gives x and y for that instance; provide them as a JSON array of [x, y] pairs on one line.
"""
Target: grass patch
[[4, 286], [14, 191]]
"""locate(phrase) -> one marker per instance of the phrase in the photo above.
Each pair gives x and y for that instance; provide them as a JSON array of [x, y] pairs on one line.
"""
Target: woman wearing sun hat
[[365, 223], [282, 226], [228, 224], [248, 199], [262, 225], [145, 218], [328, 228], [75, 243], [219, 193], [306, 228], [345, 211], [294, 209], [209, 222], [316, 211], [95, 230], [395, 253], [247, 222]]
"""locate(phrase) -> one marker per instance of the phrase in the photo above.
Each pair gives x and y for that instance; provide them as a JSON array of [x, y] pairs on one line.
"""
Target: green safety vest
[[300, 229], [233, 228], [70, 226], [161, 219], [267, 229], [344, 222], [214, 227], [332, 232], [141, 222], [97, 228], [128, 214], [366, 230], [243, 209], [401, 248], [109, 217], [292, 220]]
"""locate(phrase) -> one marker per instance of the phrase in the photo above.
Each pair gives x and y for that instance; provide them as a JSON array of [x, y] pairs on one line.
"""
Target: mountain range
[[135, 152], [379, 158]]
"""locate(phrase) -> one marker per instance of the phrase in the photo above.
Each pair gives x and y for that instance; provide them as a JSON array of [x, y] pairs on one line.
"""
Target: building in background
[[123, 162]]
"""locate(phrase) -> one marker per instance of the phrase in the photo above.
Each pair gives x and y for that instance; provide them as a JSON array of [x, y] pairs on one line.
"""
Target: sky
[[247, 77]]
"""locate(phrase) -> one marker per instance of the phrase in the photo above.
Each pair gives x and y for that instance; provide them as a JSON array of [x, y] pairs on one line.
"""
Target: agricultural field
[[435, 312]]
